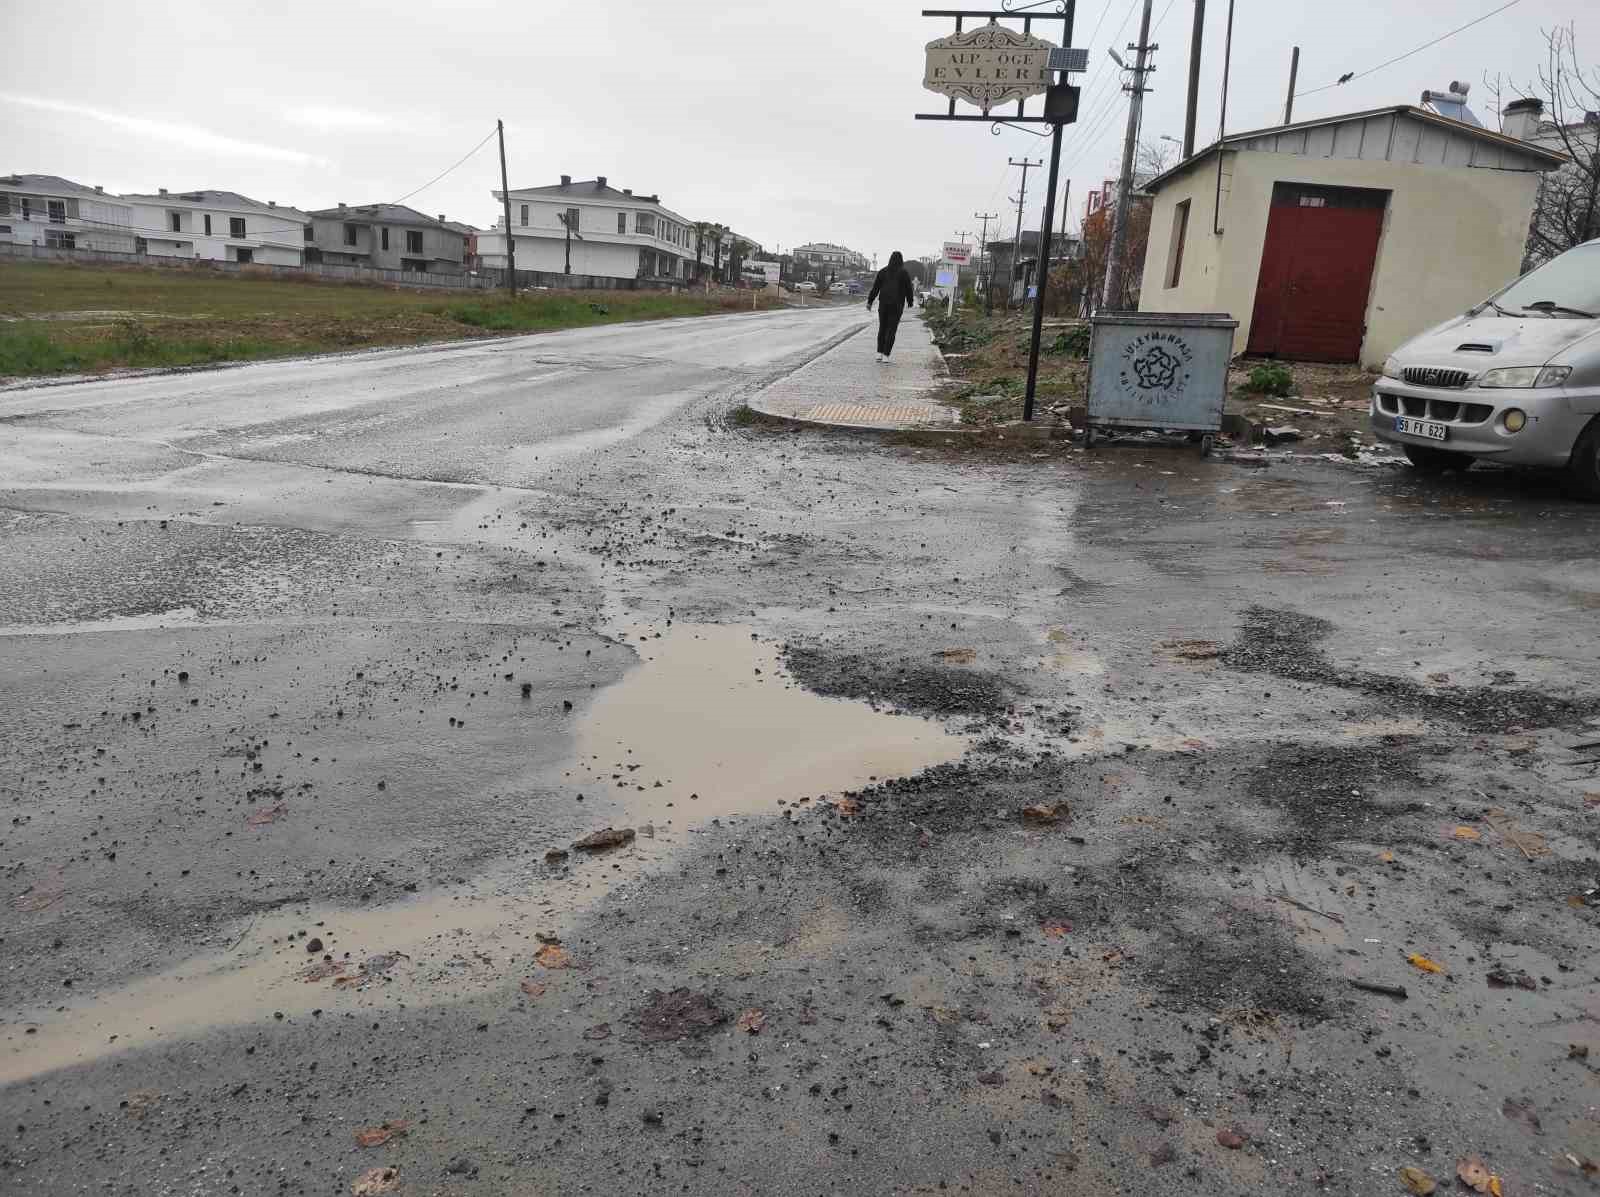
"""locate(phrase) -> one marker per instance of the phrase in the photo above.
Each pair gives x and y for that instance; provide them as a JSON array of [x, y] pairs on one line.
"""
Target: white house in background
[[58, 213], [614, 234], [219, 226]]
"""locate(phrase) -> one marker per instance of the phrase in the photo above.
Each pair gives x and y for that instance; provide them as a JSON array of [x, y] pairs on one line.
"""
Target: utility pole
[[505, 194], [988, 266], [955, 284], [1192, 111], [1022, 198], [1294, 71], [1111, 298]]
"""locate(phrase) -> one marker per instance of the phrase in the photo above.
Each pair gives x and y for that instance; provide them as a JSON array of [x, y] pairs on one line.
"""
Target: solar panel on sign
[[1070, 60]]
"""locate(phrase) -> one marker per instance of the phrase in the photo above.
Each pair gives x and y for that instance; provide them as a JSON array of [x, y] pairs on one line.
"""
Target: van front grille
[[1434, 376]]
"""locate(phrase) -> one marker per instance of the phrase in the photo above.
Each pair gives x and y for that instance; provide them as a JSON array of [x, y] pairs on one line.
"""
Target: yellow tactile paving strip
[[856, 413]]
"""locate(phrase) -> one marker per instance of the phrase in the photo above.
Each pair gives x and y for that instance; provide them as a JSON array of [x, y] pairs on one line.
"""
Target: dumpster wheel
[[1206, 445]]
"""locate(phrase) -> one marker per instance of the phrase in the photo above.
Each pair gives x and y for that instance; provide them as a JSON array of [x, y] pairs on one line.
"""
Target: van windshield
[[1568, 285]]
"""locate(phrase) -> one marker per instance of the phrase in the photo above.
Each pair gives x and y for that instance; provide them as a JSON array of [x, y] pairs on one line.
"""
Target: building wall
[[443, 249], [1451, 237], [98, 223], [548, 252], [271, 237], [598, 222]]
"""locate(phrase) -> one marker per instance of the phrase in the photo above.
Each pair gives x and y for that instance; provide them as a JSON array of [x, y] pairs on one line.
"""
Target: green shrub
[[1074, 342], [1270, 378]]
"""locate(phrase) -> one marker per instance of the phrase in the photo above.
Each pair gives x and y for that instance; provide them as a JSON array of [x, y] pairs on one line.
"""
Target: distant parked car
[[1515, 379], [808, 285]]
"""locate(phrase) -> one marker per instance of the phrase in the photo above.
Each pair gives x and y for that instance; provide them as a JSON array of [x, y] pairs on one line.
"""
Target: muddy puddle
[[709, 724], [705, 726]]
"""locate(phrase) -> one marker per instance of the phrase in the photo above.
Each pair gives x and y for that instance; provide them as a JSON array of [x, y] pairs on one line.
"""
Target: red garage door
[[1316, 272]]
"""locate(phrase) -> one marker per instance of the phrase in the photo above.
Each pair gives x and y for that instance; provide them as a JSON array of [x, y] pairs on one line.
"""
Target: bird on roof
[[1347, 76]]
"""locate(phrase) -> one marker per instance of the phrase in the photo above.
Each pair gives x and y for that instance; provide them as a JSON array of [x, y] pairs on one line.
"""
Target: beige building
[[1338, 239]]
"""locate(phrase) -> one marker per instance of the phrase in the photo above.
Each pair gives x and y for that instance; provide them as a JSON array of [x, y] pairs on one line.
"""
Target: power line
[[1343, 79], [448, 169]]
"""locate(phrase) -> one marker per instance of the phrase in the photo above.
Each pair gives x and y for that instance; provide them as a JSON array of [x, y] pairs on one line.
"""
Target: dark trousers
[[888, 325]]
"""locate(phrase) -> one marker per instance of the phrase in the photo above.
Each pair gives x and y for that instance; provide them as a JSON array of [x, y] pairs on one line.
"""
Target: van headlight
[[1524, 376], [1391, 368]]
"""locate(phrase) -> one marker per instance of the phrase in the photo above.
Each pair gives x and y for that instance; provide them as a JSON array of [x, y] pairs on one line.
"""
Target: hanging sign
[[988, 65]]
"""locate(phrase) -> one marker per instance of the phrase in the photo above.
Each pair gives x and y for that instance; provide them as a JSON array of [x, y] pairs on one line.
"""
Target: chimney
[[600, 182], [627, 191], [1520, 118], [341, 205], [99, 190], [441, 218], [566, 180], [163, 190], [272, 203]]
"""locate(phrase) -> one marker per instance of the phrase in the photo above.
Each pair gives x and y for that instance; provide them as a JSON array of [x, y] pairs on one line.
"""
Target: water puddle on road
[[709, 724], [708, 713]]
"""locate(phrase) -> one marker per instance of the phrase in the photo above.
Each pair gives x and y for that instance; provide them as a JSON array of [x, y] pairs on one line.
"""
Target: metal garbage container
[[1159, 370]]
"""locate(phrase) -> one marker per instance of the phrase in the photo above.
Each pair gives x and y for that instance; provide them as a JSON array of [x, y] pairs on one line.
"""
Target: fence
[[484, 280]]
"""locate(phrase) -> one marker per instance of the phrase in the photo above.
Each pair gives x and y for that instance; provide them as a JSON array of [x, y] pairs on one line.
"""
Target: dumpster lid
[[1168, 319]]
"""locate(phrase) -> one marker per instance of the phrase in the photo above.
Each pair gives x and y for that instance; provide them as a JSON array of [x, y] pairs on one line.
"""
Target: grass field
[[60, 318]]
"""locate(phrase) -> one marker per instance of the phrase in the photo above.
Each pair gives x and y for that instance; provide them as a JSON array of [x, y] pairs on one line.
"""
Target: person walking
[[893, 286]]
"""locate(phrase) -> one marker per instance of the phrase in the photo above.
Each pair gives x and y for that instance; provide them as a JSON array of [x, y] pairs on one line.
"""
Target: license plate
[[1431, 429]]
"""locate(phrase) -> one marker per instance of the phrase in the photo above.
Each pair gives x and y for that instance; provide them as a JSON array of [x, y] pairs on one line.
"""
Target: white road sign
[[958, 254], [988, 65]]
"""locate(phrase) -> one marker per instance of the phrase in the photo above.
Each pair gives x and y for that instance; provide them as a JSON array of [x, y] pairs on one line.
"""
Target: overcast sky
[[790, 121]]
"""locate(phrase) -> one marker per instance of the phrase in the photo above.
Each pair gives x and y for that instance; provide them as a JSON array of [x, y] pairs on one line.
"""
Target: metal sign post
[[995, 64]]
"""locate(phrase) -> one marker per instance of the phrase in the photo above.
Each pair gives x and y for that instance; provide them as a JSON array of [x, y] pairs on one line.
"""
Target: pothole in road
[[710, 723]]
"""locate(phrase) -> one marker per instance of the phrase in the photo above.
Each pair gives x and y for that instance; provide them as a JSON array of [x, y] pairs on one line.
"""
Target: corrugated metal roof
[[1536, 157]]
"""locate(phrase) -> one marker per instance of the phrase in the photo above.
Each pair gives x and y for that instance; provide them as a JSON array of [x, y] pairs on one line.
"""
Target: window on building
[[1180, 235], [175, 221], [413, 241], [208, 224], [27, 208], [236, 226], [349, 234], [5, 205], [644, 223], [572, 219], [56, 240], [244, 254], [383, 237], [524, 215], [307, 231], [58, 211], [622, 222]]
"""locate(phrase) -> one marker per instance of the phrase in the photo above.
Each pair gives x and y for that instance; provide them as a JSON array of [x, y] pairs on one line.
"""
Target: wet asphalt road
[[288, 656]]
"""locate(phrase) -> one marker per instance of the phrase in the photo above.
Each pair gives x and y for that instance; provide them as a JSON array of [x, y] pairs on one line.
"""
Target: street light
[[1116, 58]]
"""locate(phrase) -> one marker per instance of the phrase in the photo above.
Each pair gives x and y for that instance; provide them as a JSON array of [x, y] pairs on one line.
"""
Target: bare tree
[[1567, 210]]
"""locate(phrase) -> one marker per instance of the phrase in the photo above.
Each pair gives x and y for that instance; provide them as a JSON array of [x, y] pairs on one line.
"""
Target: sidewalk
[[846, 388]]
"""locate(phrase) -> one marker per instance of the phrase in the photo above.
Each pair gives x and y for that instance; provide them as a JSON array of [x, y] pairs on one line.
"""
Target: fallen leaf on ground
[[1475, 1174], [1386, 857], [1417, 1181], [598, 1031], [377, 1136], [267, 814], [847, 807], [140, 1102], [603, 841], [1467, 833], [532, 988], [1587, 1166], [1040, 813], [1591, 799], [1503, 978], [375, 1181], [1422, 962], [681, 1014], [752, 1021], [1522, 1111], [1057, 930], [1577, 1051], [322, 970], [1231, 1139], [553, 956], [958, 656]]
